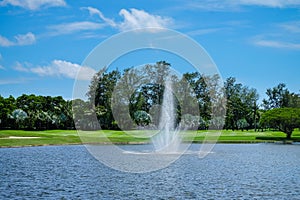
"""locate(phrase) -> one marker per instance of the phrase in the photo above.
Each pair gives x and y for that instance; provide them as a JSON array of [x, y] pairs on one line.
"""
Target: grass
[[18, 138], [228, 136], [53, 137]]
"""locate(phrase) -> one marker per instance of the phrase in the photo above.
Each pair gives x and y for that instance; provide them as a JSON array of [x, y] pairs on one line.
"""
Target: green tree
[[235, 107], [127, 97], [249, 98], [84, 115], [19, 116], [278, 97], [189, 121], [241, 104], [242, 124], [293, 100], [100, 95], [142, 118], [217, 123], [186, 94], [283, 119], [138, 89], [199, 84], [7, 106]]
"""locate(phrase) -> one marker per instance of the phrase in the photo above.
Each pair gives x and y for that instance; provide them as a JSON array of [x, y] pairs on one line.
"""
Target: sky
[[43, 43]]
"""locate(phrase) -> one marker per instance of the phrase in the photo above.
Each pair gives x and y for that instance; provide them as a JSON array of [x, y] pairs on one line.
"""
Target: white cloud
[[20, 40], [11, 81], [33, 4], [134, 19], [4, 42], [60, 68], [235, 5], [1, 67], [270, 3], [26, 39], [204, 31], [215, 5], [19, 67], [95, 11], [68, 28], [277, 44], [282, 35], [292, 27]]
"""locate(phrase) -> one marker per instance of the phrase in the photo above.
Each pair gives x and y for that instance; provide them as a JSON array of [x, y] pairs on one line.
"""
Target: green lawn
[[16, 138], [228, 136]]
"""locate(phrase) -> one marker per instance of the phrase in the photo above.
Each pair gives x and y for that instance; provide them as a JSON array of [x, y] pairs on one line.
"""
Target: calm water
[[256, 171]]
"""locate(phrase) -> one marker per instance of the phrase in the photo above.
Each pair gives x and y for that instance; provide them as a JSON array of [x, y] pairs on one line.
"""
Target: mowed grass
[[251, 136], [18, 138]]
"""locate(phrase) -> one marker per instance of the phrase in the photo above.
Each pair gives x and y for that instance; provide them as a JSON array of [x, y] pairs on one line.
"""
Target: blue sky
[[44, 42]]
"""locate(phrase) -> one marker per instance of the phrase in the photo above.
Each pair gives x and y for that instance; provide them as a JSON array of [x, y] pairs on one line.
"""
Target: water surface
[[233, 171]]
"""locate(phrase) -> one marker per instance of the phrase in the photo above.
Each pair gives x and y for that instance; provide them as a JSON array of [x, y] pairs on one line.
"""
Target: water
[[237, 171], [167, 140]]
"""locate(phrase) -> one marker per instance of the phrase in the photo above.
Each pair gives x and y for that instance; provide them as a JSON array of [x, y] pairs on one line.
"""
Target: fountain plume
[[167, 140]]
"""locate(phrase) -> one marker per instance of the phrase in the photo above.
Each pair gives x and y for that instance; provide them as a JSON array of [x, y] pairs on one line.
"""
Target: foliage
[[242, 124], [280, 97], [142, 118], [283, 119], [203, 124], [241, 104], [35, 113], [115, 97], [216, 123], [19, 116], [104, 87], [189, 121]]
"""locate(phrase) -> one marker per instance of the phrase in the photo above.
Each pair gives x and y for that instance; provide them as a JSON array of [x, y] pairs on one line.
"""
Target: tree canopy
[[284, 119], [35, 113], [280, 97], [133, 97]]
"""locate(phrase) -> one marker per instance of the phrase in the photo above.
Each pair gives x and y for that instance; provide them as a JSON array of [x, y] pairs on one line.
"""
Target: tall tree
[[294, 100], [199, 84], [241, 105], [7, 106], [100, 96], [278, 97], [234, 103]]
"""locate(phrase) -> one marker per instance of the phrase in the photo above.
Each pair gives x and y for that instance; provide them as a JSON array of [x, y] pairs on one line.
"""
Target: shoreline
[[21, 138], [142, 143]]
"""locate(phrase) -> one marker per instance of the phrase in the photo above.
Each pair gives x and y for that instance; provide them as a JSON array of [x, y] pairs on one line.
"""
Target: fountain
[[167, 140]]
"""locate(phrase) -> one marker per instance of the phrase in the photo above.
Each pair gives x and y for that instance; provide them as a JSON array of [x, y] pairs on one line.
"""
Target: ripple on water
[[245, 171]]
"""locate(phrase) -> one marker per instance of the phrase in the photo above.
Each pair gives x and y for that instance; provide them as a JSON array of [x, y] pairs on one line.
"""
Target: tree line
[[133, 97], [35, 113]]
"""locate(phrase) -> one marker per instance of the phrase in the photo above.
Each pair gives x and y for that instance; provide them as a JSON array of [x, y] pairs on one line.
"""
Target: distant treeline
[[35, 113], [118, 98]]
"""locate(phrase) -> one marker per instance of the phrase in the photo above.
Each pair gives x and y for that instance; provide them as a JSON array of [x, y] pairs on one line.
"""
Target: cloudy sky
[[44, 42]]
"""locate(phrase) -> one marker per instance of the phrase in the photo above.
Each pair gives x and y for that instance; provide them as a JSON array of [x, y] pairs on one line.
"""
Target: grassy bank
[[17, 138]]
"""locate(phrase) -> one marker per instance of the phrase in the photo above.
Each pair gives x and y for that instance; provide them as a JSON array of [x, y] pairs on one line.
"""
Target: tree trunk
[[288, 136]]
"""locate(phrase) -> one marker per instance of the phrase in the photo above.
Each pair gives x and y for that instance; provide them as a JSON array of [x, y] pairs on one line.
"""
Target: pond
[[232, 171]]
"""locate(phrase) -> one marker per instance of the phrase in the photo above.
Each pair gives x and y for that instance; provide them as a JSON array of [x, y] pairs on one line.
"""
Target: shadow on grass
[[273, 138]]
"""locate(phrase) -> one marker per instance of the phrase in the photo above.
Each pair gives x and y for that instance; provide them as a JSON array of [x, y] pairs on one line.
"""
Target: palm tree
[[19, 116]]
